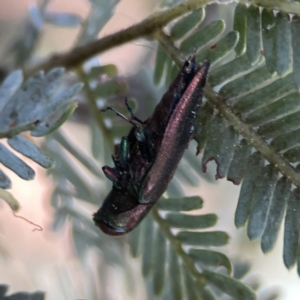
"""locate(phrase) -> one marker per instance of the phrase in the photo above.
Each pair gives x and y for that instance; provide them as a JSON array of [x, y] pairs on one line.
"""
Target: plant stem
[[94, 108], [167, 43], [177, 246], [79, 55]]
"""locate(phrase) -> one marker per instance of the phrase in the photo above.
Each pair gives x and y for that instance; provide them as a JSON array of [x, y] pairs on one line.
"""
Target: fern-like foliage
[[73, 183], [31, 106], [261, 87], [39, 15], [163, 254], [166, 252], [248, 124], [20, 295]]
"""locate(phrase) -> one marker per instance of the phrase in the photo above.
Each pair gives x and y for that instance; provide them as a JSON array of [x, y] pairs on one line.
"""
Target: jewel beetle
[[145, 161]]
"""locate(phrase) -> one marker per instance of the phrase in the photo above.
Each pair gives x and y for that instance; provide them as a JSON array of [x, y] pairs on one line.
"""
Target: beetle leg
[[118, 114], [124, 153], [111, 173], [139, 134], [131, 112]]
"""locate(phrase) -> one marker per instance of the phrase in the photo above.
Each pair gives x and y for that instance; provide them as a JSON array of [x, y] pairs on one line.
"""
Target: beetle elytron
[[145, 161]]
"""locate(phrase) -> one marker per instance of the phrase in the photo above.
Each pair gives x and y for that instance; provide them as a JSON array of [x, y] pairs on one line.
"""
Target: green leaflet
[[181, 220], [233, 288], [295, 27], [187, 23], [211, 258], [255, 164], [176, 279], [163, 256], [291, 230], [245, 83], [31, 106], [268, 38], [213, 238], [261, 201], [202, 37], [159, 263], [275, 215], [253, 36], [238, 164], [35, 295], [283, 44], [31, 151]]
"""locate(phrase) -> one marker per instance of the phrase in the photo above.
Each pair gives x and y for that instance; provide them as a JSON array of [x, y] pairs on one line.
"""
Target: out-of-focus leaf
[[254, 166], [283, 44], [36, 17], [9, 86], [34, 104], [220, 50], [291, 229], [23, 48], [63, 19], [173, 204], [181, 220], [83, 158], [160, 63], [5, 182], [229, 70], [148, 255], [238, 164], [231, 287], [266, 94], [159, 261], [275, 215], [175, 276], [211, 258], [10, 200], [28, 149], [20, 295], [261, 201], [11, 161], [268, 38], [240, 25], [100, 13], [213, 238], [203, 36], [44, 128], [295, 27], [108, 70], [187, 23], [253, 36], [110, 88], [245, 83]]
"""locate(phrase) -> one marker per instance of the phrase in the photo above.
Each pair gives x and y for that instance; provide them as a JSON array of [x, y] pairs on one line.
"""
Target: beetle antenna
[[119, 115], [131, 112]]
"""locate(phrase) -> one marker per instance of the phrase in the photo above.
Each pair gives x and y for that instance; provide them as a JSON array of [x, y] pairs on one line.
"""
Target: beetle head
[[120, 213]]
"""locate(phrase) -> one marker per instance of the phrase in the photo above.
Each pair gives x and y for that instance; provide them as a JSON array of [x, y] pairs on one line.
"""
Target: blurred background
[[48, 260]]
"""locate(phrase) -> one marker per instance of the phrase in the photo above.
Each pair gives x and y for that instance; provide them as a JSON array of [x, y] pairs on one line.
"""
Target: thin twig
[[94, 108], [79, 55], [38, 227], [177, 246]]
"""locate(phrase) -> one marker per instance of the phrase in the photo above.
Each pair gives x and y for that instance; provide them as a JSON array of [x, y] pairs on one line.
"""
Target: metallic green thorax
[[146, 160]]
